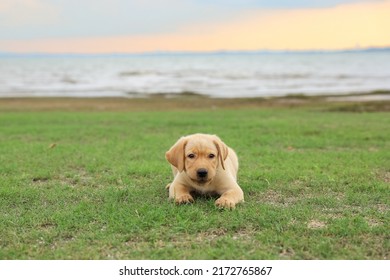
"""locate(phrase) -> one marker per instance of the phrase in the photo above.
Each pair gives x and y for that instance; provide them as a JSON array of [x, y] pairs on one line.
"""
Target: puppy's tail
[[167, 186]]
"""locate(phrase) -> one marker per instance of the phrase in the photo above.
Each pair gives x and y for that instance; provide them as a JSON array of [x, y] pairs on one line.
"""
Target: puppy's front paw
[[185, 198], [224, 202]]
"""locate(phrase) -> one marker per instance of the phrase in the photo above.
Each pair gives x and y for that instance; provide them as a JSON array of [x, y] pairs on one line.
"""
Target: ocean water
[[216, 75]]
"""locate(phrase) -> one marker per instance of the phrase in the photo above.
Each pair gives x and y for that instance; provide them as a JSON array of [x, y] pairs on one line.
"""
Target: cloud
[[279, 4], [344, 26], [26, 19], [21, 13], [90, 18]]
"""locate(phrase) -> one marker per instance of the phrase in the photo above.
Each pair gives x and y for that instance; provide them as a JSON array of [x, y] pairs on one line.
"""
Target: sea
[[217, 75]]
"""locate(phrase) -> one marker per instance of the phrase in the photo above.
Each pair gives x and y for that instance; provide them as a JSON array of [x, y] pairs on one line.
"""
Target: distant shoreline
[[181, 53]]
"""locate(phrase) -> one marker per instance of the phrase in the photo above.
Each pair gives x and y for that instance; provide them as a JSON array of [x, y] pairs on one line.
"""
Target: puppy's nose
[[202, 172]]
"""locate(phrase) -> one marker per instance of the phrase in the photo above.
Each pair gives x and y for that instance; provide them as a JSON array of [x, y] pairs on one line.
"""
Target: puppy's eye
[[191, 156], [211, 156]]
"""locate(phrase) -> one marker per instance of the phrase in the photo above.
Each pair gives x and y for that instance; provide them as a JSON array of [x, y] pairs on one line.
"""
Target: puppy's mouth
[[201, 181]]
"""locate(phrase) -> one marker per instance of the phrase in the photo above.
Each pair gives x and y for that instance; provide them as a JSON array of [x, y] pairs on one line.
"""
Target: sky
[[137, 26]]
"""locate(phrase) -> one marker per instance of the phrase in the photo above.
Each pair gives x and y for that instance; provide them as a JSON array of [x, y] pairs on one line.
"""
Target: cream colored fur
[[196, 152]]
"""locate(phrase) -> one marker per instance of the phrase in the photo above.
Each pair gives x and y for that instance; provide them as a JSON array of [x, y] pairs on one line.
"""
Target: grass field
[[90, 184]]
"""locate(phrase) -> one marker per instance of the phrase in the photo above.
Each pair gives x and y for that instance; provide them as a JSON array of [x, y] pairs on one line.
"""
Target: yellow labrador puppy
[[203, 163]]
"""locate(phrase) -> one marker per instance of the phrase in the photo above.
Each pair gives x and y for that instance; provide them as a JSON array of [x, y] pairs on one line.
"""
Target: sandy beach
[[370, 102]]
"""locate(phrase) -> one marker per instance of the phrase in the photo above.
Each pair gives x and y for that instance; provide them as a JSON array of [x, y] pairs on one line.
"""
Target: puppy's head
[[199, 155]]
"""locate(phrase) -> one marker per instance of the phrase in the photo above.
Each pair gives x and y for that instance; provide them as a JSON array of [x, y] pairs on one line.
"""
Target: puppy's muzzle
[[202, 173]]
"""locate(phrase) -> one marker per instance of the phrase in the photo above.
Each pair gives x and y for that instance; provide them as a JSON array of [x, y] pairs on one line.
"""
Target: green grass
[[316, 186]]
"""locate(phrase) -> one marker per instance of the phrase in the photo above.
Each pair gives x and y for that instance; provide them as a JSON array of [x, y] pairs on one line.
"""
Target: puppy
[[204, 164]]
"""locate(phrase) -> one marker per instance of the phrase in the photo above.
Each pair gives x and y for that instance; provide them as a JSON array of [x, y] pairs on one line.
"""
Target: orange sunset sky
[[51, 26]]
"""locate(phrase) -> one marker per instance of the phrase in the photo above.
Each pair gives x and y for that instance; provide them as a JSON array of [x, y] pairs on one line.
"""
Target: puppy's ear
[[222, 150], [176, 155]]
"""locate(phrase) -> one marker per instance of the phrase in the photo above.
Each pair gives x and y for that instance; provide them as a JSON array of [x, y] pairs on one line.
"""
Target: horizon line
[[211, 52]]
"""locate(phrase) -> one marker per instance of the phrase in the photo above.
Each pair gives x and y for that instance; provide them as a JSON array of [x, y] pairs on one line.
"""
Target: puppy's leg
[[230, 198], [180, 193]]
